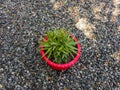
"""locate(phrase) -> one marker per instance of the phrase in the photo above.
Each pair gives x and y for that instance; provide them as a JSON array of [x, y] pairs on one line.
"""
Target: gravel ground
[[23, 22]]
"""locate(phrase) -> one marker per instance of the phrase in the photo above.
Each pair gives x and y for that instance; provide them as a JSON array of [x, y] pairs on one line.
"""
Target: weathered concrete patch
[[57, 4], [86, 27], [116, 56], [118, 28], [116, 10], [74, 12], [97, 9]]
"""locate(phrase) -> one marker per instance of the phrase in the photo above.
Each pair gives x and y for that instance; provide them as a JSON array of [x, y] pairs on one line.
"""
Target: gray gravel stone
[[23, 22]]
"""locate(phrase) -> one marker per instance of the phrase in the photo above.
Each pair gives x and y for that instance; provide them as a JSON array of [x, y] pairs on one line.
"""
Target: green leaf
[[59, 45], [48, 51], [72, 55]]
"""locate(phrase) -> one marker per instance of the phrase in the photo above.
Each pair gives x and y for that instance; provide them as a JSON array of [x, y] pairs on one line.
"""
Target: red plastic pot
[[62, 66]]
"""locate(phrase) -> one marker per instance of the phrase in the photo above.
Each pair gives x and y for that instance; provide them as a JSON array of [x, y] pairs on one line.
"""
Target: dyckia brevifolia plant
[[59, 46]]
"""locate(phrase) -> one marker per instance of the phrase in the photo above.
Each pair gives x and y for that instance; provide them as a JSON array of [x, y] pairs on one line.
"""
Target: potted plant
[[60, 49]]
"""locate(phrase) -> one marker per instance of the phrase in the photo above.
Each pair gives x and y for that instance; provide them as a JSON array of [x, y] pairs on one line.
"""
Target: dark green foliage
[[59, 46]]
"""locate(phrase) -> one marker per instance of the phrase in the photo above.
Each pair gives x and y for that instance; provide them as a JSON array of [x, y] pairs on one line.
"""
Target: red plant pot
[[61, 66]]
